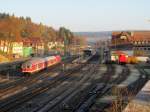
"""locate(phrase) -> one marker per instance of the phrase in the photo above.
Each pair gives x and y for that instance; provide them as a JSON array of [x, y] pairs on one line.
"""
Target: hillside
[[20, 32], [16, 28]]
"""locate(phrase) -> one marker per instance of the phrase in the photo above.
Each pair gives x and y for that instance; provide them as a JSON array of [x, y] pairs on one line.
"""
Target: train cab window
[[28, 66], [24, 66]]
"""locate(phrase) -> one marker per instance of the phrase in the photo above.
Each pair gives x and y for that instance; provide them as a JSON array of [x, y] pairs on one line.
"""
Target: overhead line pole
[[65, 49]]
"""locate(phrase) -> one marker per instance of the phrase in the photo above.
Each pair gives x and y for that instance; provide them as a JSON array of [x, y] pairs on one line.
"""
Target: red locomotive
[[122, 59], [37, 64]]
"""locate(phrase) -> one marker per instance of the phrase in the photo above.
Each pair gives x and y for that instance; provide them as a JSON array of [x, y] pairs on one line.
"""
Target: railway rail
[[76, 91], [22, 79], [120, 96], [61, 102], [30, 80], [11, 102], [67, 83]]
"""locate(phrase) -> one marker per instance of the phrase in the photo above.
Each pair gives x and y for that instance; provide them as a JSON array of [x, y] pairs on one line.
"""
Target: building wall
[[138, 44], [142, 51], [17, 48]]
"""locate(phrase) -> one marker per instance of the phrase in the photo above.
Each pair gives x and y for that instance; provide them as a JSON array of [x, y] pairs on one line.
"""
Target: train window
[[28, 66], [24, 66], [40, 64]]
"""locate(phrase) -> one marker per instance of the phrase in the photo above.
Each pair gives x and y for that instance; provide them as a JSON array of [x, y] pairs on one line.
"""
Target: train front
[[26, 67]]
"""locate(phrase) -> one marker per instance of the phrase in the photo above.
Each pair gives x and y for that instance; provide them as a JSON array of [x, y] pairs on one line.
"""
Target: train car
[[122, 59], [132, 60], [33, 65], [38, 64]]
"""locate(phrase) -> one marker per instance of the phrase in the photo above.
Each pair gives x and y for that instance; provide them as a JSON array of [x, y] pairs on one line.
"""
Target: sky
[[83, 15]]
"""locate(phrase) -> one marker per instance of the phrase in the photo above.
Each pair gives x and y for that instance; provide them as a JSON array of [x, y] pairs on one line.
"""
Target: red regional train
[[37, 64]]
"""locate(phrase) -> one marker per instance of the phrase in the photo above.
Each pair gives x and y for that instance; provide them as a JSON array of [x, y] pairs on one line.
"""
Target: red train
[[37, 64]]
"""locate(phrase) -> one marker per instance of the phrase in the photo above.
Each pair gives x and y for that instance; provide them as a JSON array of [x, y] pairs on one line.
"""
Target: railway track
[[79, 87], [33, 80], [28, 81], [68, 94], [61, 102], [53, 93], [98, 84], [119, 97], [57, 89], [101, 89], [22, 79], [12, 102], [65, 91]]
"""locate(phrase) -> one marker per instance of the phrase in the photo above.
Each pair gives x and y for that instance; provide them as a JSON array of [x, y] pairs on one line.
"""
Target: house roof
[[137, 35], [33, 40], [141, 36]]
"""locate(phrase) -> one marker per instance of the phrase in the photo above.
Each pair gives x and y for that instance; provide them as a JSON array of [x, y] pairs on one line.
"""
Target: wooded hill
[[14, 28]]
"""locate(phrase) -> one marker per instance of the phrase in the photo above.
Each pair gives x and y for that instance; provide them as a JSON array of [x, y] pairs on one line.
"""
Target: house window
[[135, 43], [143, 42], [136, 48], [140, 48], [145, 48], [139, 42]]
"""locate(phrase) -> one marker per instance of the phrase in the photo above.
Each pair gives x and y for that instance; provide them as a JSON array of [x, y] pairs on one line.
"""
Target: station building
[[135, 43]]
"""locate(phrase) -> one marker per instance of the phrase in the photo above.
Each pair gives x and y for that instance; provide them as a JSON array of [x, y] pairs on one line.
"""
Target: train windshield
[[27, 65]]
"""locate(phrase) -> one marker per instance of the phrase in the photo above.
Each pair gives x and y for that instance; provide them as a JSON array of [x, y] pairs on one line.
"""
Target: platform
[[141, 103]]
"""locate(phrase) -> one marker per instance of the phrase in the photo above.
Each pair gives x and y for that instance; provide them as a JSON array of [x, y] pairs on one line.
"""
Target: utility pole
[[101, 54], [65, 49]]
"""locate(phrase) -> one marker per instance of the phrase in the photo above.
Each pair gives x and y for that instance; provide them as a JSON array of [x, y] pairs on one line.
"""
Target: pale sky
[[83, 15]]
